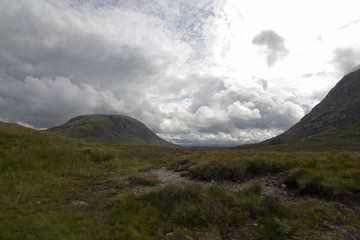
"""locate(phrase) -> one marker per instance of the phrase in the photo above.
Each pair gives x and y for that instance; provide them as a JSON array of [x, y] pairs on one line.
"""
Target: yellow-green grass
[[337, 177], [55, 187], [41, 174], [143, 180]]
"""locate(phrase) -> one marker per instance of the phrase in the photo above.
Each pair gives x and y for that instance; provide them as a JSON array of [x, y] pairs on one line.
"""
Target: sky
[[196, 72]]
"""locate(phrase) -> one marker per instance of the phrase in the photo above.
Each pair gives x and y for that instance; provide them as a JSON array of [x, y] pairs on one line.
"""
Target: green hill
[[333, 124], [110, 129]]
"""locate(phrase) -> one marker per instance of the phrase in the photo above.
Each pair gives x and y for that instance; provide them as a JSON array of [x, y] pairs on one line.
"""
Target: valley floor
[[54, 187]]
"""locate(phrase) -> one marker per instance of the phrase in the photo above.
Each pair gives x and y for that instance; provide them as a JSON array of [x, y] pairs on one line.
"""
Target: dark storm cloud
[[274, 43], [50, 45], [346, 59], [56, 64], [39, 101]]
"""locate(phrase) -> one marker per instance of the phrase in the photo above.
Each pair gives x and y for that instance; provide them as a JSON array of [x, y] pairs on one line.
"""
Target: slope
[[333, 124], [110, 129]]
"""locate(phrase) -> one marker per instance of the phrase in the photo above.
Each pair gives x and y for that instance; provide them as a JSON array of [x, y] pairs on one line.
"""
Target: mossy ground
[[42, 175]]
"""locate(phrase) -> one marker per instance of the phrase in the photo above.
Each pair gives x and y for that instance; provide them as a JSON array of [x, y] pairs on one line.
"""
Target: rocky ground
[[271, 184]]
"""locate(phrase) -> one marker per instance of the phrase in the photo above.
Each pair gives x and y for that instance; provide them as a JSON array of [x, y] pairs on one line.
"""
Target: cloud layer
[[192, 70], [275, 46]]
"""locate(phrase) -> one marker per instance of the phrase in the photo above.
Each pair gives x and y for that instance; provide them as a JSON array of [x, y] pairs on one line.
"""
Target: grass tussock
[[236, 169], [253, 187], [330, 175], [192, 212], [143, 180], [179, 209], [42, 174], [337, 178]]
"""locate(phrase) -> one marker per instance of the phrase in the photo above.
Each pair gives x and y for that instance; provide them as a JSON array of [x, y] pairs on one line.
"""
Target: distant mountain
[[333, 124], [110, 129]]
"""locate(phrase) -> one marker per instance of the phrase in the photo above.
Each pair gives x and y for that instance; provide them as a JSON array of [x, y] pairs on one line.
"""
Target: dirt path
[[271, 184]]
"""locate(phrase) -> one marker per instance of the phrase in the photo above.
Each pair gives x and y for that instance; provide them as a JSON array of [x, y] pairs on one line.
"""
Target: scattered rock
[[271, 184], [77, 203]]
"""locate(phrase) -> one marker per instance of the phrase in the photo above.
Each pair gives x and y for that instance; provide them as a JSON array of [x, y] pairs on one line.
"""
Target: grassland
[[55, 187]]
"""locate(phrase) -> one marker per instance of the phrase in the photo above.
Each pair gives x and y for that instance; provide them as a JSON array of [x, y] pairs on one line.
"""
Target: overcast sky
[[195, 72]]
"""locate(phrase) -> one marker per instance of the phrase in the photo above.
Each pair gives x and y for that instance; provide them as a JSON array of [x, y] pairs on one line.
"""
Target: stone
[[77, 203]]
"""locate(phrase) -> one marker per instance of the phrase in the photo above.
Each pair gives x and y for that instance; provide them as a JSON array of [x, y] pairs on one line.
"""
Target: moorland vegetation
[[57, 187]]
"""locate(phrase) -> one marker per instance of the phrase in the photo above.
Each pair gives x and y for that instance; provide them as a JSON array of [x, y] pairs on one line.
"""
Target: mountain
[[333, 124], [110, 129]]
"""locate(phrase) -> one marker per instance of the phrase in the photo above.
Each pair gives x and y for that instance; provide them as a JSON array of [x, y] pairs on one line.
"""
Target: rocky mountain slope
[[332, 124], [110, 129]]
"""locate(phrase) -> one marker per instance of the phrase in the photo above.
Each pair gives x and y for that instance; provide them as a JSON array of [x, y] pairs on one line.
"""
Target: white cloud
[[243, 111], [29, 126]]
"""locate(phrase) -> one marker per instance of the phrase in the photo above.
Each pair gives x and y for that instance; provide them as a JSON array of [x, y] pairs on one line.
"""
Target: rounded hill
[[110, 129]]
